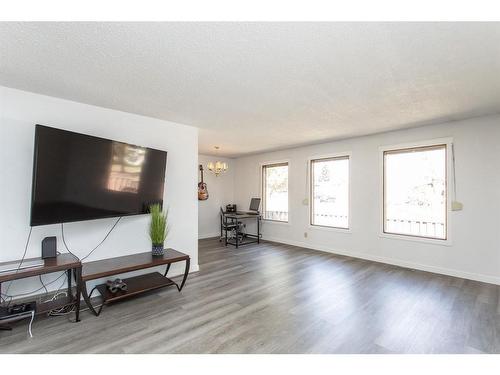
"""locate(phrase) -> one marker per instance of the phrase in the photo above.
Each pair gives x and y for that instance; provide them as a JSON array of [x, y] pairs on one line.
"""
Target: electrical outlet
[[305, 234], [457, 206]]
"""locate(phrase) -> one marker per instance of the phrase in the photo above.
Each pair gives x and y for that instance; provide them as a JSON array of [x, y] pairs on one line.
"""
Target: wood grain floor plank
[[275, 298]]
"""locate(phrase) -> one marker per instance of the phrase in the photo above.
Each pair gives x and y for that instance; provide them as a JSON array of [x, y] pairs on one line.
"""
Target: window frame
[[311, 160], [430, 144], [263, 189]]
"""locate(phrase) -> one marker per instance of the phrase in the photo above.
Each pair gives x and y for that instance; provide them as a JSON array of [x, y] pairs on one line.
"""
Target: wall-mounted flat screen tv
[[80, 177]]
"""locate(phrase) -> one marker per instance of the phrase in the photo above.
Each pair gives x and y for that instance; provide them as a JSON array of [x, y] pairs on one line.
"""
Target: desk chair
[[229, 229]]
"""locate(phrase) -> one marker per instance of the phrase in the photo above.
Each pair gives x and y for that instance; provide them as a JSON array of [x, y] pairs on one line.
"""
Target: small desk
[[63, 262], [236, 216], [137, 284]]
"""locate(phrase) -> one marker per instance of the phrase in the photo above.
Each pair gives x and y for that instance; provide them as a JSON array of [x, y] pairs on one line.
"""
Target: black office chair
[[228, 229]]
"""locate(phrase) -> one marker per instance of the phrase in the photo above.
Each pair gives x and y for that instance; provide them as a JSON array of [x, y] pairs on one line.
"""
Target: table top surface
[[112, 266], [241, 215], [59, 263]]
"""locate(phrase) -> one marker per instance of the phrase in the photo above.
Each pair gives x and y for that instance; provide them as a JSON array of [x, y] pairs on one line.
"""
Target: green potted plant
[[158, 229]]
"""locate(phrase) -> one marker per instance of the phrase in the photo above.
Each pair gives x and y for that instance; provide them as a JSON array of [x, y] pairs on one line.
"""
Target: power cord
[[104, 239], [41, 282], [69, 309], [55, 312], [64, 241], [62, 310], [31, 323], [34, 291], [95, 248], [20, 264], [65, 310], [44, 286], [3, 300]]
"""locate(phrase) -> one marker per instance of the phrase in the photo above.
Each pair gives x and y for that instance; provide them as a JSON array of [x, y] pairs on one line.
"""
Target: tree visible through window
[[275, 191], [330, 192], [415, 196]]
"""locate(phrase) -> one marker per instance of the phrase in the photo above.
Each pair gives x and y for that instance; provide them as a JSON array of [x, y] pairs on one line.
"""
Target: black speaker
[[49, 247]]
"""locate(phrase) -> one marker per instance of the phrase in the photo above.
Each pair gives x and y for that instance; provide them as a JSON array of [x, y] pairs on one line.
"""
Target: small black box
[[49, 247]]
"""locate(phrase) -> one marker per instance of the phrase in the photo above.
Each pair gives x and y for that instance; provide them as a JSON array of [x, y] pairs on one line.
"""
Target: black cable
[[104, 239], [41, 281], [44, 286], [3, 300], [95, 248], [64, 241], [20, 263], [34, 291], [65, 310]]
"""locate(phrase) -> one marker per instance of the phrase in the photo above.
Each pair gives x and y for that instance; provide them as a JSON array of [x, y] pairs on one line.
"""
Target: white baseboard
[[193, 268], [396, 262], [209, 235]]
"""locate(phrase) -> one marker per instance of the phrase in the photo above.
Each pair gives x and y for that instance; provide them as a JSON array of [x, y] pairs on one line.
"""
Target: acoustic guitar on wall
[[202, 187]]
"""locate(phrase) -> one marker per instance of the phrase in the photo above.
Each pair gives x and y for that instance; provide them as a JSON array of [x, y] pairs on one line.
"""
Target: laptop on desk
[[254, 207], [253, 210]]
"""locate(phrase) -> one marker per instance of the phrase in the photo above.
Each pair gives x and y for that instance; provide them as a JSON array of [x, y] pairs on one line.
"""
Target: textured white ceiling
[[251, 87]]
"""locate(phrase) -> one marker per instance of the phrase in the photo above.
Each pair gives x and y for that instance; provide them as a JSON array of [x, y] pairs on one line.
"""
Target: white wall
[[20, 111], [475, 249], [221, 192]]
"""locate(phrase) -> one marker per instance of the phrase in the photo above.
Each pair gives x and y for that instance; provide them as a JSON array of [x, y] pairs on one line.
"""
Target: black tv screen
[[80, 177]]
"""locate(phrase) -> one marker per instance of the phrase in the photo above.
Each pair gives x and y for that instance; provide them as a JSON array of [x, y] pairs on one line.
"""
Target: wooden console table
[[63, 262], [135, 285]]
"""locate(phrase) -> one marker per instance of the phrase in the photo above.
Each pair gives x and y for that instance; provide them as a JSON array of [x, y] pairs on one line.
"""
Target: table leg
[[221, 225], [78, 297], [69, 272], [87, 299], [4, 327], [166, 271], [237, 231], [186, 272], [225, 223], [258, 229]]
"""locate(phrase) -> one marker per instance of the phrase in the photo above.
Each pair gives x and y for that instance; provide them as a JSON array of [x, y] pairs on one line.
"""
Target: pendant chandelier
[[217, 167]]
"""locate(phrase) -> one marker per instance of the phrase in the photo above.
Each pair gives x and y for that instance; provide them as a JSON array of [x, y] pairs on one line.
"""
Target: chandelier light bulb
[[218, 167]]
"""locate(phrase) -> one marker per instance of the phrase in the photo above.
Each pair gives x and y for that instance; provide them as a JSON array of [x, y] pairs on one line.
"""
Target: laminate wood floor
[[274, 298]]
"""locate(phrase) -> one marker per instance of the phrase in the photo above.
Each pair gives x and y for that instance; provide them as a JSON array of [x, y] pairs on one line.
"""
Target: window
[[415, 192], [330, 192], [275, 191]]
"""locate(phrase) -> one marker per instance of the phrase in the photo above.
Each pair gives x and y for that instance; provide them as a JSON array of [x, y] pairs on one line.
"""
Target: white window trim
[[261, 166], [347, 154], [330, 229], [448, 141]]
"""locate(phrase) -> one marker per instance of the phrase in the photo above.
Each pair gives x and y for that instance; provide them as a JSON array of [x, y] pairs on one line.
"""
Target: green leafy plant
[[158, 228]]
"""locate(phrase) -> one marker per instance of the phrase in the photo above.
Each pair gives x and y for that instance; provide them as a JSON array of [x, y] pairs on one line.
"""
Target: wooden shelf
[[62, 262], [135, 285], [112, 266]]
